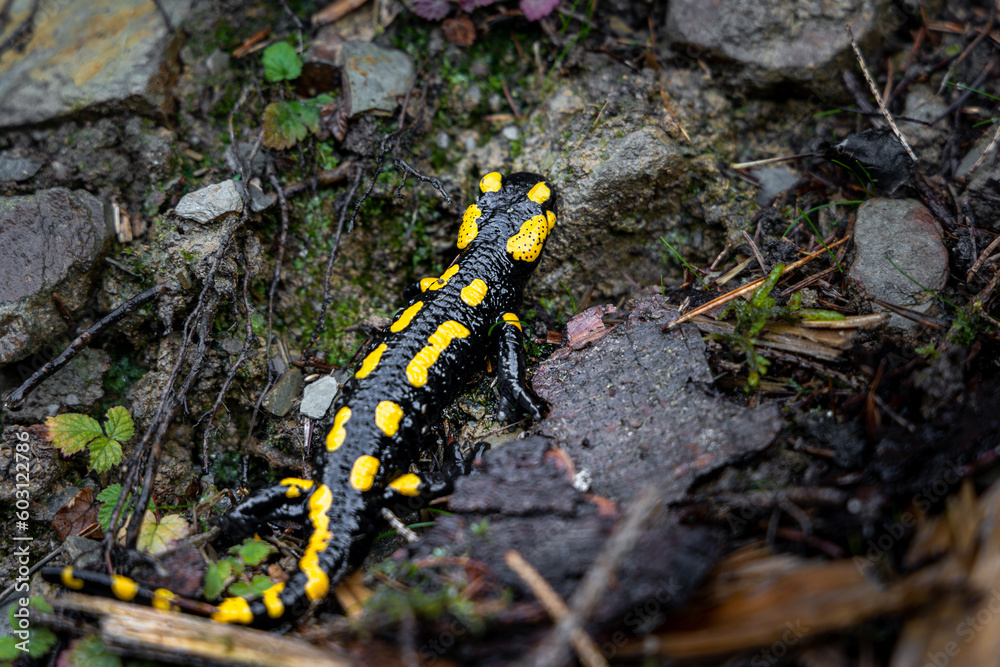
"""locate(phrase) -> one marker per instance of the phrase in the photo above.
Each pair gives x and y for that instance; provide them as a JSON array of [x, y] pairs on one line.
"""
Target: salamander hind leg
[[515, 395]]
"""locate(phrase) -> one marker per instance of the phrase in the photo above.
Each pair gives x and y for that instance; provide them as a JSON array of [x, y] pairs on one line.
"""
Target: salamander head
[[519, 209]]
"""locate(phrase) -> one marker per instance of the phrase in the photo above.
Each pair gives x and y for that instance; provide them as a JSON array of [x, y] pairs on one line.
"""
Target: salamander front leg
[[515, 395], [286, 500]]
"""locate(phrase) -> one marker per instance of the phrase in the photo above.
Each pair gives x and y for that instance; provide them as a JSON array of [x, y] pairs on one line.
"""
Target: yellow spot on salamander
[[233, 610], [526, 245], [407, 316], [163, 600], [551, 219], [474, 293], [371, 361], [406, 485], [438, 283], [317, 581], [335, 438], [296, 486], [363, 473], [388, 416], [124, 588], [416, 370], [469, 229], [69, 580], [511, 318], [540, 193], [272, 601], [491, 182]]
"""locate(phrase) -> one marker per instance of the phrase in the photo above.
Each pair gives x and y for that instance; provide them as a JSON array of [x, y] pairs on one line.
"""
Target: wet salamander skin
[[433, 348]]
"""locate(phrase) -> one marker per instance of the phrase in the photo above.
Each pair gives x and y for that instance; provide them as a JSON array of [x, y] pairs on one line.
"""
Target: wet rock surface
[[617, 183], [13, 168], [376, 78], [634, 409], [110, 54], [524, 492], [774, 43], [75, 387], [50, 242], [903, 232]]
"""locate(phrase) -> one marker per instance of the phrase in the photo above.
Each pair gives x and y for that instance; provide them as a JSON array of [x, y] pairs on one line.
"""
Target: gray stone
[[923, 104], [377, 79], [257, 165], [258, 199], [105, 54], [318, 396], [211, 202], [50, 242], [77, 386], [905, 232], [776, 42], [511, 133], [17, 168], [279, 400], [773, 181], [619, 186]]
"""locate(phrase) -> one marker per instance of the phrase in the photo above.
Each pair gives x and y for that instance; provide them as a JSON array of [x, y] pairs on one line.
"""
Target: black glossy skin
[[352, 513]]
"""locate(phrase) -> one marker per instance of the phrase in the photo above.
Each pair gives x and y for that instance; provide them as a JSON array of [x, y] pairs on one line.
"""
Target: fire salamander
[[435, 346]]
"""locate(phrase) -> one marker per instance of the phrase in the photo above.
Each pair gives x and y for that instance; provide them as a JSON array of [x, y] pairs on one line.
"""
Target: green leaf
[[283, 126], [91, 652], [109, 498], [261, 583], [309, 110], [252, 551], [40, 603], [104, 453], [8, 649], [110, 494], [242, 589], [72, 432], [216, 576], [40, 641], [281, 63], [119, 425]]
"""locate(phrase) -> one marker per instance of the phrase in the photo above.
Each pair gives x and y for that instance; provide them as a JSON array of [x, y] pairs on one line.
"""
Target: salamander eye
[[491, 182]]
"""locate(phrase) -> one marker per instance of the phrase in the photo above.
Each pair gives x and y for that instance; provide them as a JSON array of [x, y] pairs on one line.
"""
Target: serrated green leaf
[[252, 551], [40, 603], [281, 62], [110, 494], [104, 453], [72, 432], [242, 589], [216, 576], [261, 583], [119, 425], [283, 126], [8, 648], [40, 641], [91, 652]]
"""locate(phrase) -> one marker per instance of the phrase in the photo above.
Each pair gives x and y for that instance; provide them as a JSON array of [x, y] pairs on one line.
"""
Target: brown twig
[[746, 289], [596, 582], [878, 98], [585, 647], [15, 399]]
